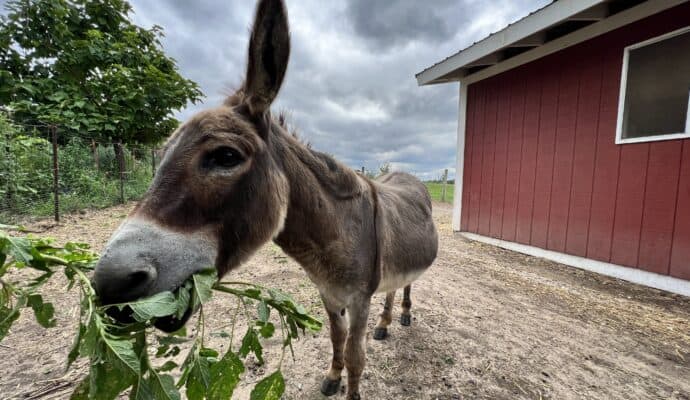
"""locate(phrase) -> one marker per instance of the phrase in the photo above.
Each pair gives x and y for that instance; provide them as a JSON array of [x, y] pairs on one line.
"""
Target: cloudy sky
[[350, 86]]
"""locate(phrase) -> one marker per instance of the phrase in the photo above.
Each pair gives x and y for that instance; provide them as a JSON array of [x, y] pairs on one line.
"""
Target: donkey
[[233, 178]]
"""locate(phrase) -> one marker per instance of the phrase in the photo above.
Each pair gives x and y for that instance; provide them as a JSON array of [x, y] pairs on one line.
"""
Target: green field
[[435, 191]]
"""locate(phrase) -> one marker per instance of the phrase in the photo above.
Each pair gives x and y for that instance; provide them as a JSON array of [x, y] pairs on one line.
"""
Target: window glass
[[657, 88]]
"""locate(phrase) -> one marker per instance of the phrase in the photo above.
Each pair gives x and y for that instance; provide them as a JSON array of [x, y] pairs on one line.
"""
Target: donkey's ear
[[269, 51]]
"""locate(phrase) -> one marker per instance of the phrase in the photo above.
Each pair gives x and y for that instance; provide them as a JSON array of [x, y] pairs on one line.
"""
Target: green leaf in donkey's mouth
[[161, 304]]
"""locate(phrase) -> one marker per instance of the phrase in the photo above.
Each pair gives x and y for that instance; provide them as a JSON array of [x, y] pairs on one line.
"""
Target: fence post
[[445, 182], [153, 162], [9, 158], [120, 153], [94, 149], [56, 174], [362, 170]]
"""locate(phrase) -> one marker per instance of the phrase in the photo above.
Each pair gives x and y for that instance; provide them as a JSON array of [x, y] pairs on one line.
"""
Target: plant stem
[[56, 260]]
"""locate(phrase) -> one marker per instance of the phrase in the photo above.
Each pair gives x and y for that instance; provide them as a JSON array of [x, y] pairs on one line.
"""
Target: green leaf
[[203, 284], [271, 387], [89, 343], [159, 305], [183, 298], [224, 377], [208, 353], [74, 351], [44, 312], [7, 318], [163, 387], [263, 311], [106, 381], [250, 343], [81, 392], [170, 339], [168, 366], [199, 379], [120, 352], [19, 249], [266, 329], [141, 390]]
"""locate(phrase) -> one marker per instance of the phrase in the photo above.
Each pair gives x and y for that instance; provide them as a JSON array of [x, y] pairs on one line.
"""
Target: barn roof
[[558, 25]]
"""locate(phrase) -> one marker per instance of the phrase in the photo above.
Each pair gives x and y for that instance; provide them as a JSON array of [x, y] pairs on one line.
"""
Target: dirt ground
[[488, 324]]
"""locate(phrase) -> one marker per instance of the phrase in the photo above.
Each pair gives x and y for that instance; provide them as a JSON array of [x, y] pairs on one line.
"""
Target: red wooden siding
[[629, 203], [545, 156], [658, 216], [606, 159], [542, 167], [475, 184], [563, 153], [488, 159], [583, 157], [528, 166], [500, 155], [680, 249], [514, 159]]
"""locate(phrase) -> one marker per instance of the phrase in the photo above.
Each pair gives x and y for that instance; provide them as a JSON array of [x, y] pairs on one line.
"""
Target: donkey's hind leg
[[381, 330], [406, 317]]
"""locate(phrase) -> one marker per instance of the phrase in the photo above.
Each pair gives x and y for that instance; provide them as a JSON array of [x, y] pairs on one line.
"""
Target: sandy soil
[[488, 324]]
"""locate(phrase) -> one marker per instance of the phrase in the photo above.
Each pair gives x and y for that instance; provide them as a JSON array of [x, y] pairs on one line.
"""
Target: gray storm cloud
[[350, 86]]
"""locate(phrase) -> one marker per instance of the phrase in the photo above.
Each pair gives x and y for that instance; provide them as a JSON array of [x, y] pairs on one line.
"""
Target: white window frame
[[621, 99]]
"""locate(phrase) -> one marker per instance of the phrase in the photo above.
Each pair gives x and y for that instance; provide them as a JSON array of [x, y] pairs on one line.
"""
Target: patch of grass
[[435, 190]]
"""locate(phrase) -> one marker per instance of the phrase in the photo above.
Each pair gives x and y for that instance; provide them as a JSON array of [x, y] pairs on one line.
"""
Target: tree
[[83, 65]]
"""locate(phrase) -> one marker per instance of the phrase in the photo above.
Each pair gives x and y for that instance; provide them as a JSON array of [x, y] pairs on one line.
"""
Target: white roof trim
[[542, 19], [616, 21], [532, 25]]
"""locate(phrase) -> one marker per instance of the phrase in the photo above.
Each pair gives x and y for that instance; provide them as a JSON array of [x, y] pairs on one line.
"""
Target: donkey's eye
[[222, 157]]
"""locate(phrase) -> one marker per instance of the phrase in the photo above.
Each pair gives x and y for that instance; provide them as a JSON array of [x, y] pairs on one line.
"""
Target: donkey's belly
[[391, 281]]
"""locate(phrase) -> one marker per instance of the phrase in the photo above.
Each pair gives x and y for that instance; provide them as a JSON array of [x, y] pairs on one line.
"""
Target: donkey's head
[[218, 194]]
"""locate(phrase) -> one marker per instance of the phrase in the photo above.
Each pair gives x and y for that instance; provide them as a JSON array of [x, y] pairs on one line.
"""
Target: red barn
[[573, 137]]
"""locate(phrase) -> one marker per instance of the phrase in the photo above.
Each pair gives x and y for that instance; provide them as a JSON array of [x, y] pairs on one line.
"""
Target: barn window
[[655, 90]]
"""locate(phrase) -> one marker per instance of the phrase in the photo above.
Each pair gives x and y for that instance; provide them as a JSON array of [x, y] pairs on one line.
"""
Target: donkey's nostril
[[140, 278]]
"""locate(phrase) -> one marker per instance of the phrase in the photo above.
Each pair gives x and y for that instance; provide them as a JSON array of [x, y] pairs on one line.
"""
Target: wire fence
[[44, 173], [440, 189], [47, 173]]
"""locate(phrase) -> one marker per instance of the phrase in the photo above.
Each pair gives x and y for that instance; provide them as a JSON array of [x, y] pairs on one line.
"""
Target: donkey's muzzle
[[143, 258]]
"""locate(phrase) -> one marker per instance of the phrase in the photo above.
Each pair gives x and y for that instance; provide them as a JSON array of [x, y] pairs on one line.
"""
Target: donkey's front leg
[[331, 383], [355, 350]]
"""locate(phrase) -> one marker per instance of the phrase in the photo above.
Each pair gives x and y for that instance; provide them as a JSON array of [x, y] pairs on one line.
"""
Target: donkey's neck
[[319, 185]]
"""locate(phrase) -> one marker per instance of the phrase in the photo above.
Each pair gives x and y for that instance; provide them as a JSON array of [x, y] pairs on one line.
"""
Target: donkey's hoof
[[380, 333], [330, 387], [405, 320], [354, 396]]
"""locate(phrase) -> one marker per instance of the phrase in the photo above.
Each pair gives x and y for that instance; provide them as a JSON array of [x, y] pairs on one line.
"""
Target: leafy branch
[[119, 353]]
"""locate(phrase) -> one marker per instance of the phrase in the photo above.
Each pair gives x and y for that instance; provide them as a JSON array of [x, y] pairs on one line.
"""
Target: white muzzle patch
[[175, 256]]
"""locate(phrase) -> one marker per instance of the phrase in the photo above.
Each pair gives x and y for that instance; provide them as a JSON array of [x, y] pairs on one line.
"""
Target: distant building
[[573, 137]]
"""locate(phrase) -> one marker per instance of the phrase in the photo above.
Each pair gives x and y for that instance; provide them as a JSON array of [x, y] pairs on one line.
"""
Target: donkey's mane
[[338, 180]]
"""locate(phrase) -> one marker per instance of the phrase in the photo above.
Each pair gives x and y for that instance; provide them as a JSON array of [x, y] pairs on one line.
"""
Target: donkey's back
[[407, 236]]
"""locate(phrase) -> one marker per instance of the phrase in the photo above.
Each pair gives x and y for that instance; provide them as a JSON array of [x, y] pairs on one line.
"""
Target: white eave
[[558, 25]]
